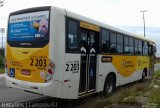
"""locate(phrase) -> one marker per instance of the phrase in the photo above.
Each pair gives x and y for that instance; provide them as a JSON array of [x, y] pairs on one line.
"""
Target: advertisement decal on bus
[[28, 38]]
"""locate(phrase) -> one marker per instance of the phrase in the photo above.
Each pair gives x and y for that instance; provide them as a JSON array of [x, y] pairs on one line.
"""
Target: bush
[[2, 52], [1, 57], [1, 61]]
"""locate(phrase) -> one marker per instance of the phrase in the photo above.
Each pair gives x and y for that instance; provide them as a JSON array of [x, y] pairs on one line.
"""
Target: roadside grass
[[132, 94], [157, 61], [157, 75], [1, 60], [124, 95], [154, 96], [1, 63]]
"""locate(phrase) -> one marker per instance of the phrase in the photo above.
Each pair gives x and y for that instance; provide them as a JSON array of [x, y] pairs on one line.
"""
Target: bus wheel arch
[[110, 83]]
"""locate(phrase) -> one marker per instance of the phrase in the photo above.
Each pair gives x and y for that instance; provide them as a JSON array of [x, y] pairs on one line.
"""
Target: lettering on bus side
[[73, 66], [127, 64], [106, 59]]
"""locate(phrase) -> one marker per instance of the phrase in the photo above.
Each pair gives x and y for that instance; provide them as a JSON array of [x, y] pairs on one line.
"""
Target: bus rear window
[[29, 29]]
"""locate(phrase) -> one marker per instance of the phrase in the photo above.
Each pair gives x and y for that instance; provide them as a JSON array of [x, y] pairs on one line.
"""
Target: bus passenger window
[[72, 42], [126, 45], [131, 46], [140, 47], [119, 44], [137, 52], [105, 41], [145, 48], [113, 48]]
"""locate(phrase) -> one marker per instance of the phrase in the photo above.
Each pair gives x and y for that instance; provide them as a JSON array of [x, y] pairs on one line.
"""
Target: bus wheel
[[109, 85]]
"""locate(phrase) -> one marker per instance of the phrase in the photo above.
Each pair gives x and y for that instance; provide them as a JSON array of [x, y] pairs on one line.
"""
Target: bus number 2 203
[[72, 67], [38, 62]]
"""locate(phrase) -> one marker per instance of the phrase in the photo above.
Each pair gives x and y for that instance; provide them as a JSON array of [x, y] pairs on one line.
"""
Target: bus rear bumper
[[52, 89]]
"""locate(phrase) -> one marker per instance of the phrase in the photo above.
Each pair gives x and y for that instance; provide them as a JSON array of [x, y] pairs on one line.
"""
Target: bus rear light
[[48, 77], [50, 71], [6, 68], [51, 65], [6, 65]]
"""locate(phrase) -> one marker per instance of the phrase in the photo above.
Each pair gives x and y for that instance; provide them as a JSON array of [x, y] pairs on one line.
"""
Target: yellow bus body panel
[[127, 64], [20, 59]]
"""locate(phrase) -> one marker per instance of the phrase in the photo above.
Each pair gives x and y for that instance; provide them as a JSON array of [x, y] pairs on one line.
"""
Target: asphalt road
[[29, 99], [12, 94]]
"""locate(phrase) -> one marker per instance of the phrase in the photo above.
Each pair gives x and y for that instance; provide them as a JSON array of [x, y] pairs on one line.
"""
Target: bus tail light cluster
[[50, 72], [6, 68]]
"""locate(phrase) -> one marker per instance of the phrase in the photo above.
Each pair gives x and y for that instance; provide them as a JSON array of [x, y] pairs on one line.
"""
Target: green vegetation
[[157, 75], [1, 61], [124, 95], [1, 70], [1, 56], [154, 96], [158, 60], [147, 93]]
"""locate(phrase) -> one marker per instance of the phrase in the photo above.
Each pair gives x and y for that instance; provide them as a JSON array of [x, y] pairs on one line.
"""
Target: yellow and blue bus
[[54, 52]]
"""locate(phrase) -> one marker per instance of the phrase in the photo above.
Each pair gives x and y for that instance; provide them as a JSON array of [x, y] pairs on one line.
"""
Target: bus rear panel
[[28, 65]]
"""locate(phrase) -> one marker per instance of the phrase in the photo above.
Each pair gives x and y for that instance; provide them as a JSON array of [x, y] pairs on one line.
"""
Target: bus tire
[[109, 85]]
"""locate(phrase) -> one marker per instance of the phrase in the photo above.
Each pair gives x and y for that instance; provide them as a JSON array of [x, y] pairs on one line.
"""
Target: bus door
[[89, 46], [151, 62]]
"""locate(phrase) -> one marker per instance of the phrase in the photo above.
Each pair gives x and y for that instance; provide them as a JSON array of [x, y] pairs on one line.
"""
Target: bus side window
[[113, 47], [140, 47], [154, 50], [145, 48], [131, 45], [119, 43], [105, 41], [137, 52], [71, 37], [126, 45]]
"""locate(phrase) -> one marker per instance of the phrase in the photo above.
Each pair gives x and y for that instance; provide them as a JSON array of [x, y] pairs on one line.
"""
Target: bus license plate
[[26, 72]]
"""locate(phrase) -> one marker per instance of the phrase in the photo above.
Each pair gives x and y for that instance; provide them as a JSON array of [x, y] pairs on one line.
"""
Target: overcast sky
[[124, 14]]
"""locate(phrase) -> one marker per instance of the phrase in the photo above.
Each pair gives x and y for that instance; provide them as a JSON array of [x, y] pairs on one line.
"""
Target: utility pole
[[144, 20], [2, 29], [2, 39]]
